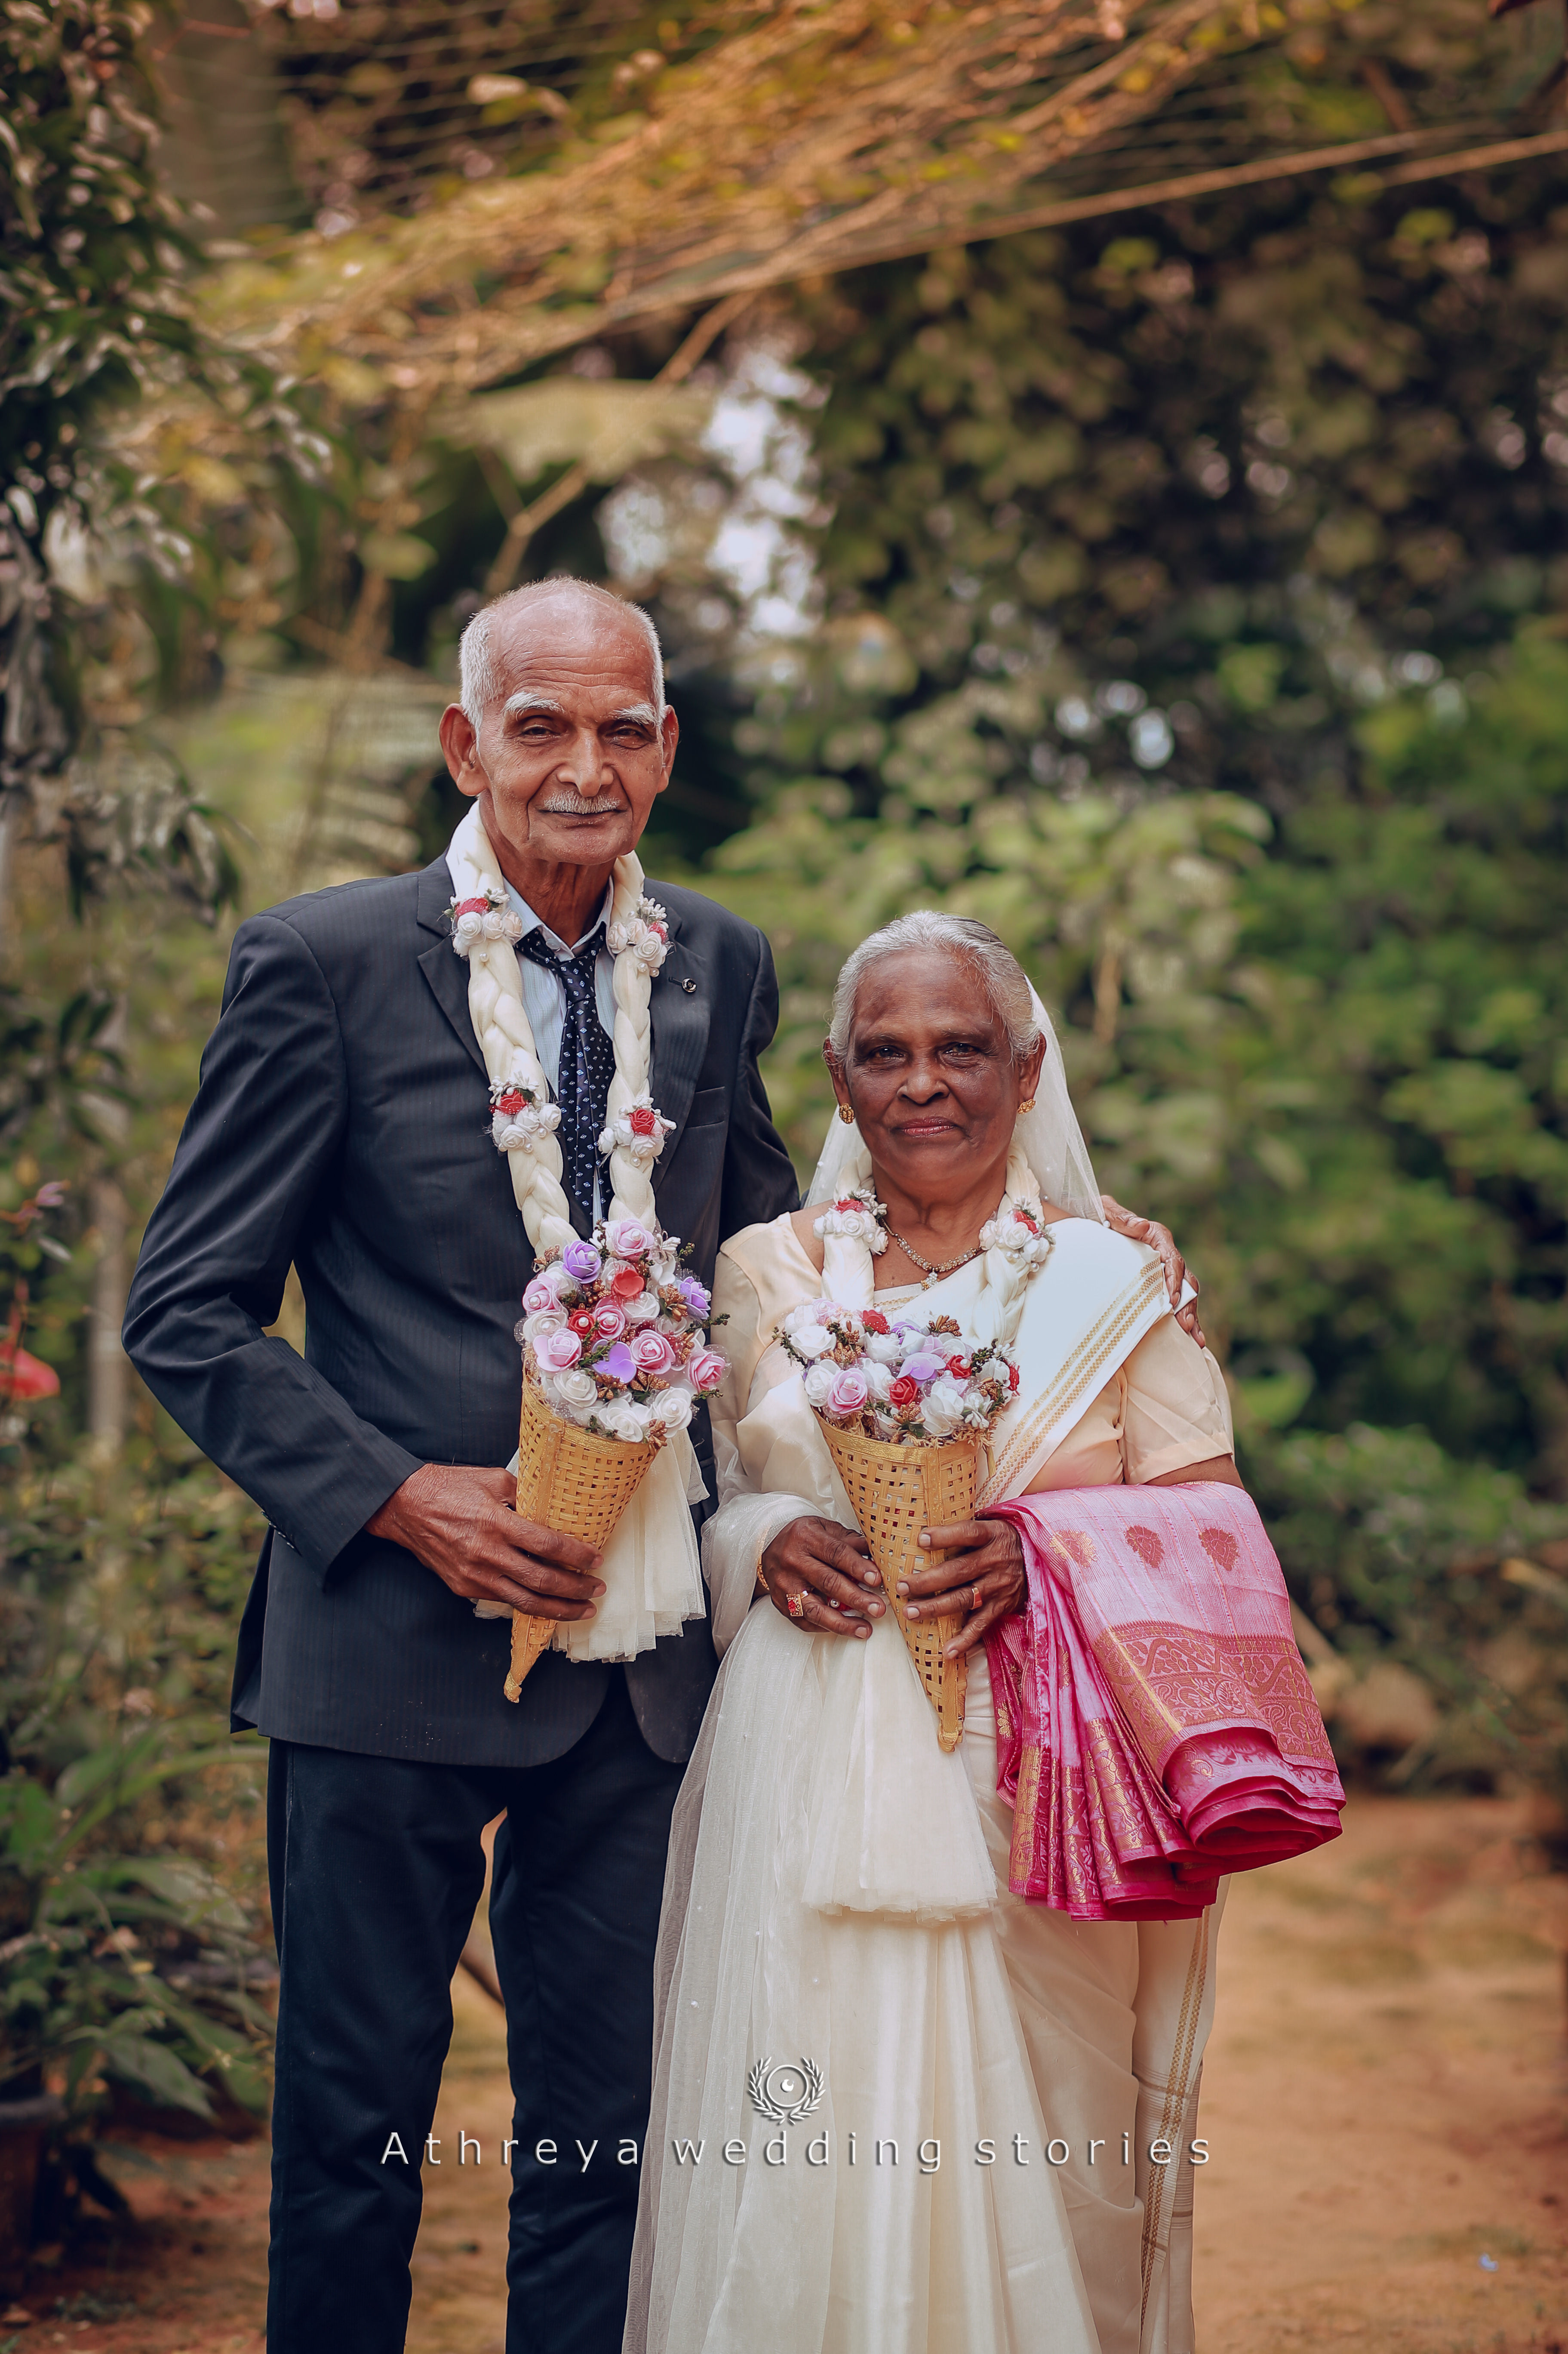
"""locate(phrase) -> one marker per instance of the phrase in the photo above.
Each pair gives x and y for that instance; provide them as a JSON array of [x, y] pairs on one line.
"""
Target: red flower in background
[[581, 1324], [1012, 1377], [875, 1320], [510, 1103], [640, 1120], [959, 1366], [626, 1283], [25, 1376], [906, 1391]]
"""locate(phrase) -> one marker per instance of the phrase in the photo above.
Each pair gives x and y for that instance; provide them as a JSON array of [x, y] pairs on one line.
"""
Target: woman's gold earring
[[846, 1115], [1027, 1105]]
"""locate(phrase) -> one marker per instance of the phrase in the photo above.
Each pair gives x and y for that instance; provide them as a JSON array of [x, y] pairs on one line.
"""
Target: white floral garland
[[524, 1119], [1015, 1242]]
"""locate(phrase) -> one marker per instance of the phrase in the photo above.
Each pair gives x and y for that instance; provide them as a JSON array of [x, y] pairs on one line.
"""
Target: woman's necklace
[[933, 1273]]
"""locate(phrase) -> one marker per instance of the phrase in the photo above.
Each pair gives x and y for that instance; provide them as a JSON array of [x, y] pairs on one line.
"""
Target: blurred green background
[[1182, 592]]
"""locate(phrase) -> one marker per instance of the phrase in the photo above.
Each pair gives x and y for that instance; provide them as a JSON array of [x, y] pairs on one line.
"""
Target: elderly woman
[[899, 2108]]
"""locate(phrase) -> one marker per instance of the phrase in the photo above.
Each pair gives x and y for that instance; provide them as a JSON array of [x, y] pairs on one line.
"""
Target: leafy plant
[[118, 1966]]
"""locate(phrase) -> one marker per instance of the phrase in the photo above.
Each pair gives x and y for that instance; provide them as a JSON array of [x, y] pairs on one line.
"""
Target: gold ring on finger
[[976, 1597], [796, 1606]]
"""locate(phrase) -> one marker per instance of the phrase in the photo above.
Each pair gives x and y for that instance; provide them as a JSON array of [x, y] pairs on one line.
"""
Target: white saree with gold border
[[975, 2173]]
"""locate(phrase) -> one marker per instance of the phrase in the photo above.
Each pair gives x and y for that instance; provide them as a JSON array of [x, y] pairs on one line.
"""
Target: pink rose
[[628, 1239], [557, 1352], [706, 1369], [849, 1391], [538, 1297], [651, 1353], [609, 1321]]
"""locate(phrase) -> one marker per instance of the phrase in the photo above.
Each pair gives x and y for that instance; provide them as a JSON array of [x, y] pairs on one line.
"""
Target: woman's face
[[929, 1074]]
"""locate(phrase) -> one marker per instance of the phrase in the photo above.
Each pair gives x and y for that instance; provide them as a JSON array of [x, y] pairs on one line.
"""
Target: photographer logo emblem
[[786, 2091]]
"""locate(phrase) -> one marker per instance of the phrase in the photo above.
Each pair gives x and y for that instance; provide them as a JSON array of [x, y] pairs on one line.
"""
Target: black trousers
[[375, 1870]]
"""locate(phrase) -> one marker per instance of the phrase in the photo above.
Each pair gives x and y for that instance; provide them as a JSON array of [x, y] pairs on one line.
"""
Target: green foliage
[[124, 1957], [95, 317], [1408, 1554]]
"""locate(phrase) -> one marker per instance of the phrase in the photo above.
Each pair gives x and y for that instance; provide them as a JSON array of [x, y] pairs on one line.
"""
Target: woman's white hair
[[476, 649], [998, 971]]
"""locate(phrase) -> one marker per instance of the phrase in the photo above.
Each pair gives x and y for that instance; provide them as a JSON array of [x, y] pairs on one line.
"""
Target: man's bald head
[[505, 622]]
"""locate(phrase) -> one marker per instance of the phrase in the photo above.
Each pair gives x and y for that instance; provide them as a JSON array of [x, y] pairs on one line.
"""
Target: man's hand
[[459, 1521], [984, 1571], [826, 1568], [1162, 1243]]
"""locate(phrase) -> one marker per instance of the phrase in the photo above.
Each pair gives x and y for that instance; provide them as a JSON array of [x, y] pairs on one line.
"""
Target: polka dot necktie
[[587, 1066]]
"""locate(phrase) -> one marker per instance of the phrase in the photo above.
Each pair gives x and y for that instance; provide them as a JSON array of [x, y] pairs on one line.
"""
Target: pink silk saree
[[1155, 1726]]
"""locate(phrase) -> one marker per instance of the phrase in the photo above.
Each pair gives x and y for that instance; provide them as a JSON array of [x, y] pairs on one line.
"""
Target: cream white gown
[[975, 2174]]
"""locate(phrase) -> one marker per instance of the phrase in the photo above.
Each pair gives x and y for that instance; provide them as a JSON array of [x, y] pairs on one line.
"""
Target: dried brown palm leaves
[[790, 146]]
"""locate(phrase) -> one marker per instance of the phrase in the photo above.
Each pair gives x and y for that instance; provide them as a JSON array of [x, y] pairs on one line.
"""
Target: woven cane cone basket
[[572, 1481], [895, 1488]]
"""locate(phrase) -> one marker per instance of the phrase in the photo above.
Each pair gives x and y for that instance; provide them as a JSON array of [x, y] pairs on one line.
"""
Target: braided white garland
[[484, 931], [1014, 1247]]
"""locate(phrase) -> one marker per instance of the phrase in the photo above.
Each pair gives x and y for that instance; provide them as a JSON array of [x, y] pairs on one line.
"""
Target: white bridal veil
[[1048, 1136]]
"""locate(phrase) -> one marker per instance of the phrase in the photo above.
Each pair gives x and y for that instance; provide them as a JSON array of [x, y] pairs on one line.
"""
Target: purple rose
[[582, 1261], [923, 1367], [849, 1391], [706, 1369], [618, 1364], [557, 1352], [694, 1299]]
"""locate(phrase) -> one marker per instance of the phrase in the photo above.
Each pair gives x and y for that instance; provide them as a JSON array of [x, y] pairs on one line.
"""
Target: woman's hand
[[984, 1570], [825, 1570], [1162, 1243]]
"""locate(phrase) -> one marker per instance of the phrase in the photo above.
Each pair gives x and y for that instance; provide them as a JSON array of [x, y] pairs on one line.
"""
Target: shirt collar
[[534, 923]]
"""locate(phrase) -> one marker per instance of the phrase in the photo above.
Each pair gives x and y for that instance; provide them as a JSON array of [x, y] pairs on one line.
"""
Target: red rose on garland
[[640, 1120]]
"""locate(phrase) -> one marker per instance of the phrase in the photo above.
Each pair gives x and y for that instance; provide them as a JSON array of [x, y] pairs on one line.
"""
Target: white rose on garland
[[639, 1131]]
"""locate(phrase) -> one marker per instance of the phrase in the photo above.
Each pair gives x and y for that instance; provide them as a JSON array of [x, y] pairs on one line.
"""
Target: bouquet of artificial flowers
[[905, 1403], [614, 1358], [900, 1378]]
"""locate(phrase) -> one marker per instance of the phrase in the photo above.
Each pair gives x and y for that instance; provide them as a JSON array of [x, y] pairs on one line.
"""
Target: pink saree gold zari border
[[1156, 1728]]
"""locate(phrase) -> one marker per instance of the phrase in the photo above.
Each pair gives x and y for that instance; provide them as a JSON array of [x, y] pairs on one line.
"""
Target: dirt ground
[[1386, 2097]]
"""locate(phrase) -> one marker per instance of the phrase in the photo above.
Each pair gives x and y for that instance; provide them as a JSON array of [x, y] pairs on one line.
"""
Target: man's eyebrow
[[517, 705], [641, 713]]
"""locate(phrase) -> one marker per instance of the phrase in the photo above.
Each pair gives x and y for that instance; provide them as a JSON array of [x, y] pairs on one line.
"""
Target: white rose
[[551, 1386], [643, 1309], [623, 1420], [576, 1388], [673, 1408], [813, 1340], [544, 1320], [818, 1382], [883, 1348], [944, 1407], [878, 1381]]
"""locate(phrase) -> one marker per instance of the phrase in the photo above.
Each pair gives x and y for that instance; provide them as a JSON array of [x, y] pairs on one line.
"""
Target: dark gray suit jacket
[[342, 1123]]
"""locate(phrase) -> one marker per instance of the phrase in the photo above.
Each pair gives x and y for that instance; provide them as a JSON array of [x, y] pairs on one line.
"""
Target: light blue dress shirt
[[543, 1000]]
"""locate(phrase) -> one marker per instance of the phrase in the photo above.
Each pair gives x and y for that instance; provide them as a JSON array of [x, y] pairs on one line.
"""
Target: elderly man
[[343, 1124]]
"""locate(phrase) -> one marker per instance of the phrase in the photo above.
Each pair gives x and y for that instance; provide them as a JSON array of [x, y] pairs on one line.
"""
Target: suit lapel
[[447, 973], [680, 1024]]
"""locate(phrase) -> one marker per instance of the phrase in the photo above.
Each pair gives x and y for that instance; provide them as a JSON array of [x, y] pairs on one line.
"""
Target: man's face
[[570, 755]]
